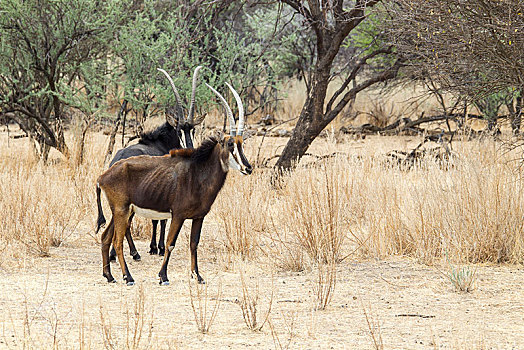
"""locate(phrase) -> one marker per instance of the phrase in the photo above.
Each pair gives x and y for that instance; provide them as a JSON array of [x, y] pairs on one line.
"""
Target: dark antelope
[[157, 143], [182, 185]]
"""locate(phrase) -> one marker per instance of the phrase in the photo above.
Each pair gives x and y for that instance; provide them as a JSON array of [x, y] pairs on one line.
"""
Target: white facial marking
[[233, 164], [150, 214], [235, 161]]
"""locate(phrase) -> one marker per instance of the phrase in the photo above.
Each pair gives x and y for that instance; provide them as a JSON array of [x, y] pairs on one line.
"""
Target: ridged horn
[[193, 92], [240, 129], [178, 106], [229, 113]]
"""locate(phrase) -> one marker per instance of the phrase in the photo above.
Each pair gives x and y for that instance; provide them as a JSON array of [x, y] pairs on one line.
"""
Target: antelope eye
[[230, 143]]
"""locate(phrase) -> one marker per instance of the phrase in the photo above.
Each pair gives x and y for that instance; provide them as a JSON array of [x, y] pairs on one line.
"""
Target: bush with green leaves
[[50, 56]]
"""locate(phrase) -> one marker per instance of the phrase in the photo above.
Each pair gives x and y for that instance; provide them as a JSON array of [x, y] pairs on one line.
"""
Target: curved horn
[[193, 91], [229, 113], [240, 110], [178, 106]]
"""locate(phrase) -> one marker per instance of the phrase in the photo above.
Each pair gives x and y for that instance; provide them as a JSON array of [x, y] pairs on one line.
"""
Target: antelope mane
[[198, 155]]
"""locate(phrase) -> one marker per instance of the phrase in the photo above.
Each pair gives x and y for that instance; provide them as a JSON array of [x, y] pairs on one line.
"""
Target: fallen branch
[[408, 159], [415, 315], [406, 124], [326, 156]]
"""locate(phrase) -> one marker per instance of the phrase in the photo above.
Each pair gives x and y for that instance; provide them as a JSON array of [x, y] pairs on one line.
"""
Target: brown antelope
[[182, 185], [157, 143]]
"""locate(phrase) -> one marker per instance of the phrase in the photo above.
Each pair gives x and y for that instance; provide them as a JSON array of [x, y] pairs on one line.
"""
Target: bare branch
[[381, 77], [353, 74]]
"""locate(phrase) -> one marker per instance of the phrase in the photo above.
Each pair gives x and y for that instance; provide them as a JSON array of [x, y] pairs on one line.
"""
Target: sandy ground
[[64, 300]]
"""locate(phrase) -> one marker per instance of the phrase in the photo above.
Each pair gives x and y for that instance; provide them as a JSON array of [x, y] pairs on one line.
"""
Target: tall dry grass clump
[[316, 211], [324, 285], [471, 212], [354, 204], [242, 208], [250, 305], [42, 206], [204, 313], [132, 327]]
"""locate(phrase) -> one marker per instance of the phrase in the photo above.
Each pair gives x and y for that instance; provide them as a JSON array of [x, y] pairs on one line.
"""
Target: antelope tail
[[101, 219]]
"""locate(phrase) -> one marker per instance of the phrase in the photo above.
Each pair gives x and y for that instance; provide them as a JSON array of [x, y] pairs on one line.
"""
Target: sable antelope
[[157, 143], [182, 185]]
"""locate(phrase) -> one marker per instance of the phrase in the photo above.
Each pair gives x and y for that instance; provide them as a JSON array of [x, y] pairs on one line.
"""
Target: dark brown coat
[[183, 185]]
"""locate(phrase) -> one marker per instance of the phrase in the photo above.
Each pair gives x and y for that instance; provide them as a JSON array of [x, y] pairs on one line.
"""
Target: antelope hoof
[[161, 251], [110, 278], [200, 280], [129, 280], [153, 251], [163, 279], [136, 256]]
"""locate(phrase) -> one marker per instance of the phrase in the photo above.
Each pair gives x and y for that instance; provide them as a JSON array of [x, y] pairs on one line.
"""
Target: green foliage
[[489, 105], [463, 278], [51, 55], [286, 41], [140, 47], [367, 38], [46, 45], [178, 40]]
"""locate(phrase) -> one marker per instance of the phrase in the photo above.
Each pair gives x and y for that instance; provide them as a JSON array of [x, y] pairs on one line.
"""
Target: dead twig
[[415, 315]]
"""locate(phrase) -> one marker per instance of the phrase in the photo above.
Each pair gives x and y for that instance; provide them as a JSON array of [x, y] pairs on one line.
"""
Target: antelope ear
[[224, 140], [200, 119], [217, 134], [171, 119]]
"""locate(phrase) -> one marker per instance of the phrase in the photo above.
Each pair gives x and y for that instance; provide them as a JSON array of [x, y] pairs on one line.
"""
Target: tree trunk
[[313, 119], [81, 140], [516, 114], [309, 125], [329, 36], [61, 145], [112, 136], [492, 124], [303, 135], [40, 149]]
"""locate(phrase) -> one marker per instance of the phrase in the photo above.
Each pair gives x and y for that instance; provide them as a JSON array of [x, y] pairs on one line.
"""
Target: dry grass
[[250, 304], [135, 325], [243, 214], [204, 313], [325, 212], [316, 212], [43, 206], [324, 285], [373, 328], [351, 207], [283, 336]]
